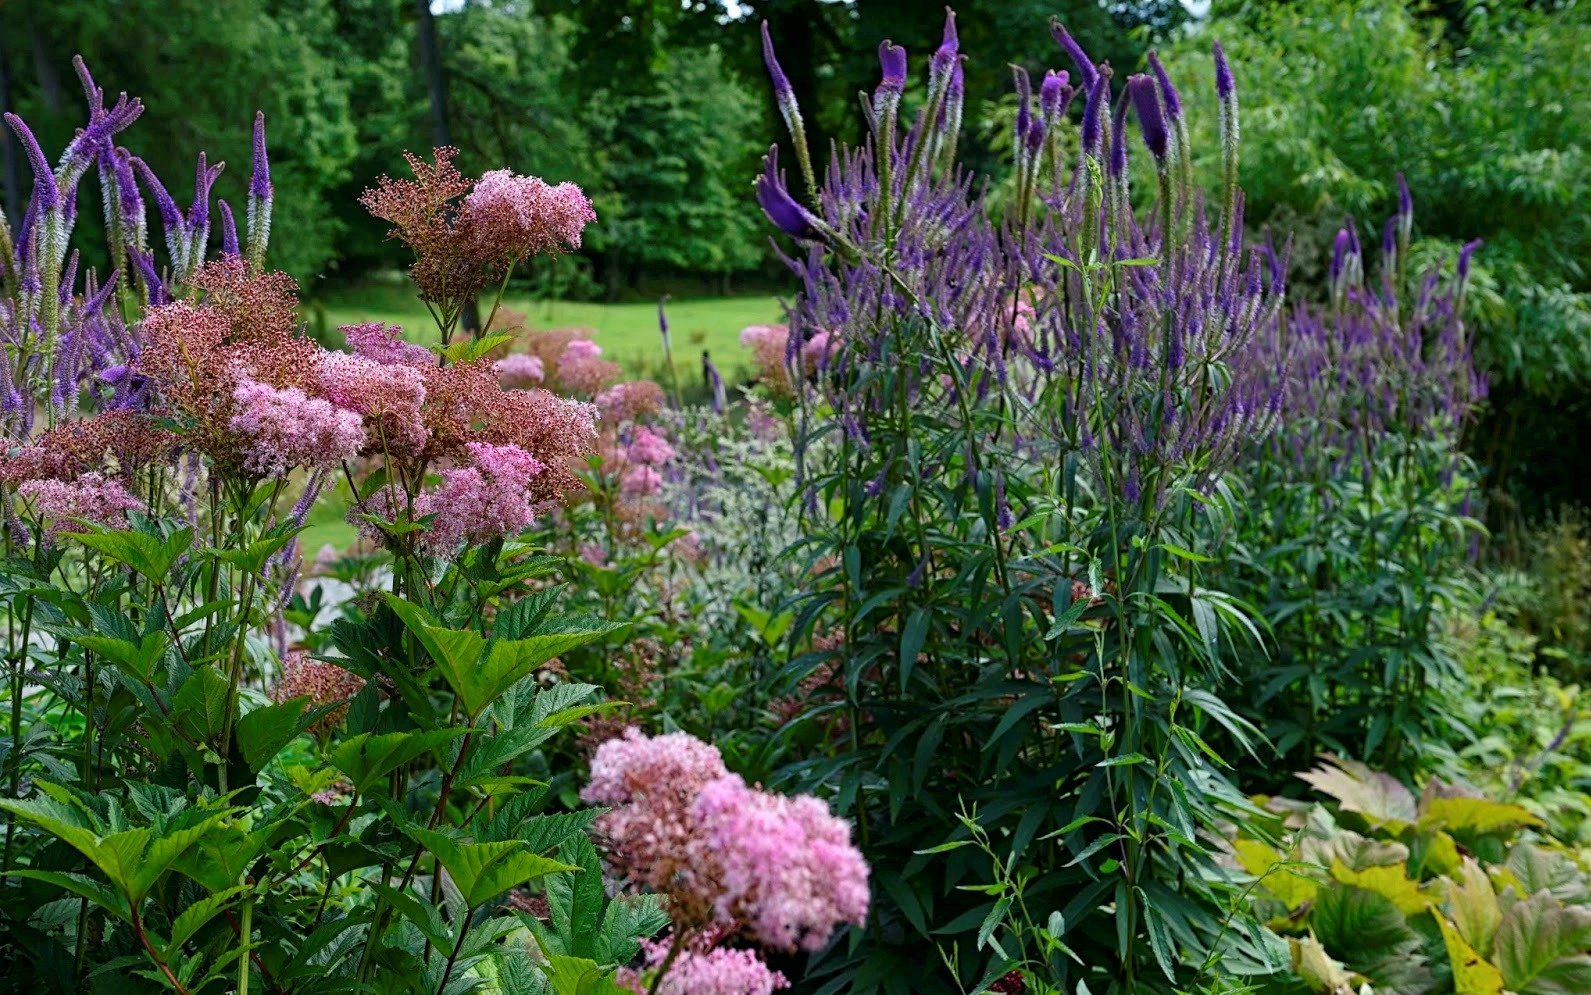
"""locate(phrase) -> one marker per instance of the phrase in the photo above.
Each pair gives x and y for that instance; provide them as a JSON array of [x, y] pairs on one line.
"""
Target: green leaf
[[1379, 797], [263, 732], [576, 901], [1473, 903], [912, 637], [83, 886], [1471, 974], [367, 758], [427, 918], [196, 915], [146, 554], [1360, 927], [200, 705], [1542, 947], [482, 871]]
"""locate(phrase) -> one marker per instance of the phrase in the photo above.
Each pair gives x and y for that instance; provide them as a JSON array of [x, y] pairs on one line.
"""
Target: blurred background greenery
[[659, 109]]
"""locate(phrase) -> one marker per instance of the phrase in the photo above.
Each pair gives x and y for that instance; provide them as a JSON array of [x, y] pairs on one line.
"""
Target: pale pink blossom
[[719, 971], [630, 400], [384, 343], [520, 370], [641, 481], [92, 497], [582, 369], [487, 500], [815, 353], [515, 216], [649, 448], [787, 868], [390, 397], [285, 428]]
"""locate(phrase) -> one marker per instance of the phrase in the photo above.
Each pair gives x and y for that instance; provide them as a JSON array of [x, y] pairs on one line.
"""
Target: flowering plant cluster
[[1026, 435], [223, 775]]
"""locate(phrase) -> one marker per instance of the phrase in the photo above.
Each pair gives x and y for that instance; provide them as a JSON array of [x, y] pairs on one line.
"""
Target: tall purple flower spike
[[892, 60], [1464, 256], [1151, 117], [45, 190], [1052, 95], [260, 179], [947, 55], [782, 209], [1093, 115], [1086, 70], [229, 230], [1168, 93], [204, 178], [1225, 85]]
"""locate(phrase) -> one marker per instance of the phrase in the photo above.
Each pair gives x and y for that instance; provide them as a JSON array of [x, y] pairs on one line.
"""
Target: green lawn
[[627, 332]]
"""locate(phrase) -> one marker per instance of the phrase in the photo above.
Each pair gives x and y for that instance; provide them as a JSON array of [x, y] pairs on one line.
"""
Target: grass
[[628, 333]]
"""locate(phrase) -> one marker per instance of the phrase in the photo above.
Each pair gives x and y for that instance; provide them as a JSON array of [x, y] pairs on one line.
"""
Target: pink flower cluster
[[390, 396], [789, 871], [718, 971], [383, 343], [648, 447], [91, 497], [629, 401], [324, 684], [488, 500], [767, 344], [520, 370], [286, 428], [524, 215], [582, 369], [722, 851]]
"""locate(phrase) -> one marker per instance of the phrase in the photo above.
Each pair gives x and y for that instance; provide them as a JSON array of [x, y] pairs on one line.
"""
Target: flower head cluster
[[489, 499], [520, 369], [714, 971], [466, 234], [648, 447], [323, 683], [783, 868], [788, 869], [582, 370], [383, 343], [389, 396], [92, 497], [515, 216], [768, 345], [631, 400], [285, 428]]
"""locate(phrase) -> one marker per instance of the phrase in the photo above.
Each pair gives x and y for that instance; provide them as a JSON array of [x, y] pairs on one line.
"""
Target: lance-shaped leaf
[[482, 871], [264, 731]]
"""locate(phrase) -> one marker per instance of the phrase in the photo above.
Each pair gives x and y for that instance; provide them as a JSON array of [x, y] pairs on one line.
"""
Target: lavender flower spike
[[945, 57], [892, 58], [261, 194], [46, 191], [1168, 93], [1052, 96], [1225, 85], [1093, 115], [1464, 255], [782, 209], [1085, 67], [1151, 117], [229, 231]]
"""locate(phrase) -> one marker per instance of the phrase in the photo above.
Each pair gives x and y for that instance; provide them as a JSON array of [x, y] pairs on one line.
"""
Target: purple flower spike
[[1024, 101], [170, 215], [260, 181], [893, 60], [1085, 67], [958, 80], [1405, 199], [1168, 93], [1093, 114], [1052, 94], [1464, 255], [715, 381], [1118, 139], [1389, 237], [782, 209], [229, 230], [203, 179], [782, 91], [1225, 85], [1339, 254], [1151, 118], [45, 189], [950, 47]]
